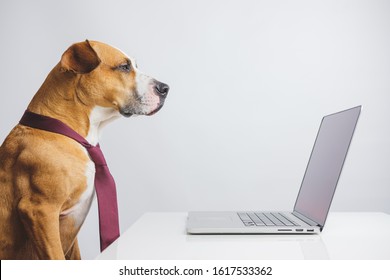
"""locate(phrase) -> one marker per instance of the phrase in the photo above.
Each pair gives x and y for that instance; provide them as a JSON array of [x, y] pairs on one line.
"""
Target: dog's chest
[[80, 209], [87, 197]]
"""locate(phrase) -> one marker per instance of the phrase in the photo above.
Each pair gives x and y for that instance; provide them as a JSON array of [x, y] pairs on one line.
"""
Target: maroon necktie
[[104, 182]]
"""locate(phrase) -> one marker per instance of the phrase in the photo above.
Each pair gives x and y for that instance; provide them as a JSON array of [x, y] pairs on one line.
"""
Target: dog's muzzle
[[159, 90]]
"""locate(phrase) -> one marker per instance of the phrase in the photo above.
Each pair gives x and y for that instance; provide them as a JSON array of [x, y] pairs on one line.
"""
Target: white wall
[[250, 81]]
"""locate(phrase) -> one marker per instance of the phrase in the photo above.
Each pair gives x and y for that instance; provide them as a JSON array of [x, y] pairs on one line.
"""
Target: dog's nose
[[161, 89]]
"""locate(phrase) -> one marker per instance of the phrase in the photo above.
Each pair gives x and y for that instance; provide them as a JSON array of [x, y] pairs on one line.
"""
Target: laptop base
[[231, 223]]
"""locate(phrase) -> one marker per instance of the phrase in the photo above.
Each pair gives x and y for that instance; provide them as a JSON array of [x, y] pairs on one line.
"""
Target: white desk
[[345, 236]]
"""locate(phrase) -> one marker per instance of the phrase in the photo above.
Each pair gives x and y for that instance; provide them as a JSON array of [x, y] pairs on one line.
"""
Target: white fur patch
[[80, 210], [99, 117]]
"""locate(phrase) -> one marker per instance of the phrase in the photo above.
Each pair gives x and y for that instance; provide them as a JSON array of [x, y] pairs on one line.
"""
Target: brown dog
[[46, 179]]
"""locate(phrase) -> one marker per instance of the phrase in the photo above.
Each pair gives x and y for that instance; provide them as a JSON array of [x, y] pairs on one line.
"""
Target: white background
[[284, 269], [250, 81]]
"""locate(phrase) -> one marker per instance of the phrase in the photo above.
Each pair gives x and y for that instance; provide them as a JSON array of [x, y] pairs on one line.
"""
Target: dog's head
[[108, 78]]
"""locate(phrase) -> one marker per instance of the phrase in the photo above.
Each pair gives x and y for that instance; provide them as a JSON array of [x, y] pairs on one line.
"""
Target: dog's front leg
[[41, 222], [74, 252]]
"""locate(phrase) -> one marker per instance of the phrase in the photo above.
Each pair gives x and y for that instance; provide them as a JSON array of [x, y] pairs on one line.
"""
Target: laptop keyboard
[[251, 219]]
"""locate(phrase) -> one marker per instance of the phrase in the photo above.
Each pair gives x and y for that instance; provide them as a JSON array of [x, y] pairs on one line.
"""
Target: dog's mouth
[[160, 105], [129, 111]]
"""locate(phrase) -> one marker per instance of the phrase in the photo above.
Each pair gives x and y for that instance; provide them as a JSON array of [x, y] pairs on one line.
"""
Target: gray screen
[[325, 164]]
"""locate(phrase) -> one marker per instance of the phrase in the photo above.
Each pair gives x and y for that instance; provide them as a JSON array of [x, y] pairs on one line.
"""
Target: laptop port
[[310, 230], [284, 229], [299, 229]]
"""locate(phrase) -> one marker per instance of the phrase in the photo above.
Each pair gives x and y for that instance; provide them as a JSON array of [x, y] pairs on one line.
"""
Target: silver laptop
[[314, 197]]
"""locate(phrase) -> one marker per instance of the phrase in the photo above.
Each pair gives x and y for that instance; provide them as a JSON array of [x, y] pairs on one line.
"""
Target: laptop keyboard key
[[290, 220], [265, 220], [244, 217], [273, 219], [256, 219], [283, 219]]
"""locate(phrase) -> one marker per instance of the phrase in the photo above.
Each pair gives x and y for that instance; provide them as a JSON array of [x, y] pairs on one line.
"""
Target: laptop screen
[[325, 164]]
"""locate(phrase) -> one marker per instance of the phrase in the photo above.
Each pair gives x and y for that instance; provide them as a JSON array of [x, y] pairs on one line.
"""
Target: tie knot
[[96, 155]]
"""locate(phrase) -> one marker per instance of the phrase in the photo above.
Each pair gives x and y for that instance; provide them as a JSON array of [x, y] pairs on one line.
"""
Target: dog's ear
[[80, 58]]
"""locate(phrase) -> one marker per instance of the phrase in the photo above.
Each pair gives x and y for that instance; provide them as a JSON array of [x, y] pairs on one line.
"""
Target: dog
[[47, 179]]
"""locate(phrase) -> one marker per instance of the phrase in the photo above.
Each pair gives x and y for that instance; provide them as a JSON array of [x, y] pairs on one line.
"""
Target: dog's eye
[[125, 67]]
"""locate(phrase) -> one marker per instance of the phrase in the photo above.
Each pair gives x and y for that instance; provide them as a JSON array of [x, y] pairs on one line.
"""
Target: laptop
[[315, 195]]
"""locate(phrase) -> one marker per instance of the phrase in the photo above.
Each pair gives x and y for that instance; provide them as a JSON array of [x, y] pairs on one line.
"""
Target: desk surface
[[345, 236]]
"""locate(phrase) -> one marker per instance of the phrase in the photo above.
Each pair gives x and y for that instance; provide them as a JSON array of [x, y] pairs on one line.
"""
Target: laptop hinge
[[305, 219]]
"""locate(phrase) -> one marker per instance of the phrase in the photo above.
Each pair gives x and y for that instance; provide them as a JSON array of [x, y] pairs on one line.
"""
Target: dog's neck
[[98, 118], [59, 98]]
